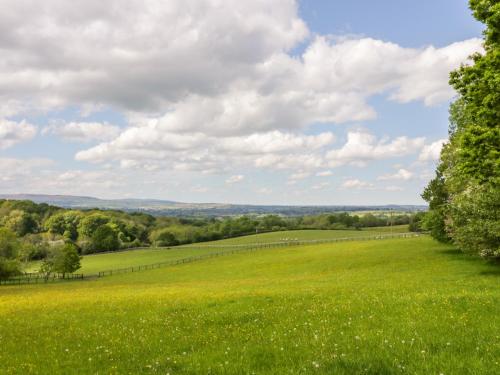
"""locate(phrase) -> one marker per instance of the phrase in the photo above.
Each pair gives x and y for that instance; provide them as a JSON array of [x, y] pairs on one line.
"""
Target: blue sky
[[316, 102]]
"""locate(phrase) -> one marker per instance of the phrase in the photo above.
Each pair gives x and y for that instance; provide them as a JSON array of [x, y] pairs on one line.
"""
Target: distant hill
[[171, 208]]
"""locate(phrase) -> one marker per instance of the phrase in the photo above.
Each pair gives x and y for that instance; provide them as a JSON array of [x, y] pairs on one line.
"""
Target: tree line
[[464, 196], [58, 237]]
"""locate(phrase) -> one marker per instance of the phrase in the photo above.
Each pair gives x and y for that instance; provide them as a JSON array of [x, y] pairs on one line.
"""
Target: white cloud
[[324, 173], [362, 147], [18, 174], [138, 55], [356, 184], [210, 86], [83, 131], [393, 188], [224, 67], [432, 151], [401, 174], [265, 191], [275, 142], [12, 132], [199, 189], [235, 179], [299, 175], [149, 149], [10, 166], [320, 186]]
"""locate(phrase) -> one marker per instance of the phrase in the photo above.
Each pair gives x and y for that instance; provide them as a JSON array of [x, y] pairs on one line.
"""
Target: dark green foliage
[[21, 222], [108, 230], [165, 238], [415, 224], [434, 221], [104, 238], [61, 259], [89, 224], [34, 248], [464, 196], [9, 247], [64, 223], [475, 221]]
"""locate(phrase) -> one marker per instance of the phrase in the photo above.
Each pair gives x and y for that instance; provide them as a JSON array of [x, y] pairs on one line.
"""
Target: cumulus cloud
[[320, 186], [393, 188], [149, 149], [142, 55], [12, 132], [12, 166], [432, 151], [83, 131], [199, 189], [362, 147], [235, 179], [264, 191], [28, 173], [222, 65], [299, 175], [324, 173], [356, 184], [209, 86], [401, 174]]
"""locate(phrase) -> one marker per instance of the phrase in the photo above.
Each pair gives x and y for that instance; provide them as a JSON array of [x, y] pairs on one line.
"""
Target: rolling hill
[[171, 208]]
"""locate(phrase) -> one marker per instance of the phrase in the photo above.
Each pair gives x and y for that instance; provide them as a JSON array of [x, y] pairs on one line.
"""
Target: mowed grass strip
[[377, 307]]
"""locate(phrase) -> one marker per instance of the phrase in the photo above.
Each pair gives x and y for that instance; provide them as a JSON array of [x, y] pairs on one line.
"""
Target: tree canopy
[[464, 197]]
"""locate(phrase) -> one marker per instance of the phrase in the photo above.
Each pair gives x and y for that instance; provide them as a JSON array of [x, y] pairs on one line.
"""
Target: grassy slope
[[101, 262], [312, 234], [377, 307]]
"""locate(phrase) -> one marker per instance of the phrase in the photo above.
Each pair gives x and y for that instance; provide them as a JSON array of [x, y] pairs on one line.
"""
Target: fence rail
[[34, 278]]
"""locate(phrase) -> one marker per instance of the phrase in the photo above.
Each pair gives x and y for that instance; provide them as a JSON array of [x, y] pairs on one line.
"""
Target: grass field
[[311, 234], [102, 262], [370, 307]]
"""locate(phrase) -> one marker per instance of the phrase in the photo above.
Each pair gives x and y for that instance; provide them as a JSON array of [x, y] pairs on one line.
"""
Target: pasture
[[369, 307], [309, 235], [92, 264]]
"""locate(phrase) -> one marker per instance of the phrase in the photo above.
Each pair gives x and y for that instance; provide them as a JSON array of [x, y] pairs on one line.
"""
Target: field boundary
[[35, 278]]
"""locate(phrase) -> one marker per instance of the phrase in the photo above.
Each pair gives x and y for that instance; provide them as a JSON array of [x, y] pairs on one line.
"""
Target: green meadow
[[92, 264], [310, 235], [390, 306]]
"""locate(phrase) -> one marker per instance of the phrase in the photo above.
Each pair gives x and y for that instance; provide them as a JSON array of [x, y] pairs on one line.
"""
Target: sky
[[309, 102]]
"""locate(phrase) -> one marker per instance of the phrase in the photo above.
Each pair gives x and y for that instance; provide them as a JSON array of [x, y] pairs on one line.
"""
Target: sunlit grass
[[378, 307], [92, 264], [311, 234]]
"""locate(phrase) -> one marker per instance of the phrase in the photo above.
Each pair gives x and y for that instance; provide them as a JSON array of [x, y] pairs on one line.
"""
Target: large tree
[[62, 259], [464, 198]]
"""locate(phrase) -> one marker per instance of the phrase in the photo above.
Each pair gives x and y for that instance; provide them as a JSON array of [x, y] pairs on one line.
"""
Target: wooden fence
[[35, 278]]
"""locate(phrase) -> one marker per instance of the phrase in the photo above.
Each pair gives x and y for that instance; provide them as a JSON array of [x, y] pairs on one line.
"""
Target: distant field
[[312, 234], [364, 307], [123, 259]]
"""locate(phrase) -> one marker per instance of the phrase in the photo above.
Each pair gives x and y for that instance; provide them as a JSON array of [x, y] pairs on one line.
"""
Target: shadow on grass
[[492, 268], [491, 272], [452, 252]]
